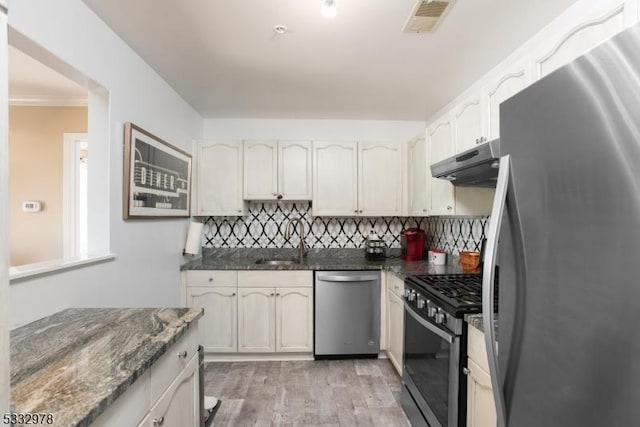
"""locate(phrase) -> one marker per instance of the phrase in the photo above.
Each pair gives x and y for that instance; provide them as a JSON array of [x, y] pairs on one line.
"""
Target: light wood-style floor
[[303, 393]]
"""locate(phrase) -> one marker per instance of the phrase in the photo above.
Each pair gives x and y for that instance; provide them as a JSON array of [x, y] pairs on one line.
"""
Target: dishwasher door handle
[[337, 278]]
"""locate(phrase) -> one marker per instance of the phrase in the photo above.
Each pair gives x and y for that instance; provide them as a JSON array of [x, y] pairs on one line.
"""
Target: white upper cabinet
[[219, 178], [277, 170], [511, 80], [467, 120], [419, 177], [335, 178], [260, 170], [294, 170], [579, 31], [379, 179], [440, 146]]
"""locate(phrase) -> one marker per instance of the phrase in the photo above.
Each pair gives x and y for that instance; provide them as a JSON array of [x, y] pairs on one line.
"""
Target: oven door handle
[[430, 326]]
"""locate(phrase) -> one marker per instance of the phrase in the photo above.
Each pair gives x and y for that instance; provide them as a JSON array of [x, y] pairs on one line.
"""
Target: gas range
[[435, 347], [456, 294]]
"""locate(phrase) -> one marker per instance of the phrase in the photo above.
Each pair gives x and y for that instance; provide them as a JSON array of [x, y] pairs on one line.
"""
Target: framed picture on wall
[[157, 177]]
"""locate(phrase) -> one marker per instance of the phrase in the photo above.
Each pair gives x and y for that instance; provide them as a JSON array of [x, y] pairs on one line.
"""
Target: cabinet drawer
[[212, 278], [395, 284], [165, 370], [274, 279], [477, 349]]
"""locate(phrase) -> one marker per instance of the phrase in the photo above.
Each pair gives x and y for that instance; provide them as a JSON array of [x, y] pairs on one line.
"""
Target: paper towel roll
[[194, 238]]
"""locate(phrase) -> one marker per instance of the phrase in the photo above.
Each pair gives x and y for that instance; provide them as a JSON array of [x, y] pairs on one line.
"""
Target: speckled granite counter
[[317, 259], [75, 363], [475, 320]]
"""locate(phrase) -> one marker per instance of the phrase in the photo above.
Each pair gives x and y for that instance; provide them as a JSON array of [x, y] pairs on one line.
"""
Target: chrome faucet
[[287, 234]]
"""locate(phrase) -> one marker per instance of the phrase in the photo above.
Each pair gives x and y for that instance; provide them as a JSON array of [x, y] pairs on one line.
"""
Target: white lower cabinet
[[167, 394], [179, 405], [275, 320], [481, 410], [220, 331], [294, 320], [395, 321], [256, 320], [253, 311]]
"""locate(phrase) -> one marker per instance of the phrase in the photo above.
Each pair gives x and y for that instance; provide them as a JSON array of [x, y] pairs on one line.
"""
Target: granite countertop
[[316, 259], [475, 320], [75, 363]]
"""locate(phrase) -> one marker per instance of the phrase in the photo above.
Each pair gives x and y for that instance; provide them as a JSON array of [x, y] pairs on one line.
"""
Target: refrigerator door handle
[[488, 286]]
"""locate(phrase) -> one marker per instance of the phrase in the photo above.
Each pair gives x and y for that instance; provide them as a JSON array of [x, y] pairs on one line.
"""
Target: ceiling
[[33, 83], [225, 59]]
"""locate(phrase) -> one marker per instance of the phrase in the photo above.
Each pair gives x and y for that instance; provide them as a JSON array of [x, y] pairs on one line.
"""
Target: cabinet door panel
[[220, 178], [586, 32], [218, 327], [511, 81], [468, 123], [179, 405], [395, 329], [441, 147], [481, 410], [335, 179], [419, 176], [260, 170], [380, 178], [294, 169], [256, 324], [294, 319]]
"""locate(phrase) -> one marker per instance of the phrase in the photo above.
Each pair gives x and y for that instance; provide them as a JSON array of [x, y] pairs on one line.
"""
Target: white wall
[[292, 129], [4, 217], [145, 272]]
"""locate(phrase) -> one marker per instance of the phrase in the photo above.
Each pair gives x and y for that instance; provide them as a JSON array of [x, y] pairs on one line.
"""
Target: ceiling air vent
[[426, 15]]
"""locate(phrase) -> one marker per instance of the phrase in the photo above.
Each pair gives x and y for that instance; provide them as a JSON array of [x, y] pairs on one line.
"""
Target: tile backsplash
[[265, 225]]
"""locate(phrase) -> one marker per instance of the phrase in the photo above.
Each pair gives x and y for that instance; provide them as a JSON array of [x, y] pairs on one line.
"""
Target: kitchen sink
[[278, 261]]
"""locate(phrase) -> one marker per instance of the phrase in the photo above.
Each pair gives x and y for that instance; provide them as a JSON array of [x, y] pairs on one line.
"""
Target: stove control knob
[[420, 303], [412, 296], [441, 317], [407, 292], [431, 309]]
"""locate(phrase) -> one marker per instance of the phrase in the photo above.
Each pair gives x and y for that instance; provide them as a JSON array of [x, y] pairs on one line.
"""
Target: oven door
[[431, 370]]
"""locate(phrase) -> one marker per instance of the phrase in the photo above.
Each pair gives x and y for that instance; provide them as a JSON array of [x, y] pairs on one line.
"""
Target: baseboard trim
[[257, 357]]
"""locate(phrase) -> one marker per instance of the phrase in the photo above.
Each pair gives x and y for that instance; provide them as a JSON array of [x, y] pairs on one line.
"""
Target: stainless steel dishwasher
[[347, 314]]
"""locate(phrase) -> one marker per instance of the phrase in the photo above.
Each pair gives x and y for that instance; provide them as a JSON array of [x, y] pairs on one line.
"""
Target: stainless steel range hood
[[477, 167]]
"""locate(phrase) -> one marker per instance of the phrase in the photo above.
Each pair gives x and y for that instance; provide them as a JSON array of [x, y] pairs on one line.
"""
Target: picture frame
[[157, 177]]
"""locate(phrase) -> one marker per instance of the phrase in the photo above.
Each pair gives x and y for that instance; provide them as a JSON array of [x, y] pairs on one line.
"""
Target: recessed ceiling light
[[329, 8], [280, 29]]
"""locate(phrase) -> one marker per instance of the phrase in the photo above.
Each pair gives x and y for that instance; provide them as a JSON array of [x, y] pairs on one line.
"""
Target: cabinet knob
[[239, 210], [277, 294], [233, 294], [279, 196], [271, 294], [183, 354], [210, 279], [360, 211], [424, 210], [158, 421], [465, 371], [356, 211], [449, 208]]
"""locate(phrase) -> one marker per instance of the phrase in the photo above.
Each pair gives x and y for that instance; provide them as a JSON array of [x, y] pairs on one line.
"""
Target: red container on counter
[[412, 241]]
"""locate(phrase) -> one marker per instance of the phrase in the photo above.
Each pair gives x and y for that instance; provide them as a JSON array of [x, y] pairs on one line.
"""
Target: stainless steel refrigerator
[[565, 233]]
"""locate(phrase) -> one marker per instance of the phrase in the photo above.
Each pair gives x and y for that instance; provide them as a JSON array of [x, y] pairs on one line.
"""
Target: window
[[58, 199]]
